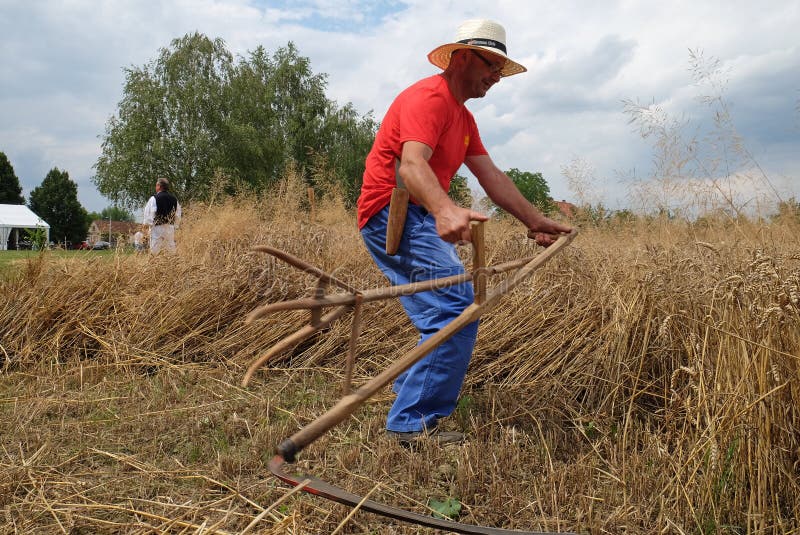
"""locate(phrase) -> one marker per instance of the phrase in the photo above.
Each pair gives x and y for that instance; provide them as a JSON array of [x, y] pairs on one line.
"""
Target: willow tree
[[194, 115], [167, 123]]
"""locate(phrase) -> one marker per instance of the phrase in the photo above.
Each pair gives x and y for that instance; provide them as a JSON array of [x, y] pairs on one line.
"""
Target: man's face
[[483, 71]]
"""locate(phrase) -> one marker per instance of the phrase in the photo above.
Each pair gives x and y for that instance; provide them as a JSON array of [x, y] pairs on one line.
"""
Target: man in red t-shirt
[[426, 135]]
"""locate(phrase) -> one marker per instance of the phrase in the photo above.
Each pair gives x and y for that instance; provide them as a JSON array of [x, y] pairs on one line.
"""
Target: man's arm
[[149, 212], [178, 213], [502, 190], [452, 221]]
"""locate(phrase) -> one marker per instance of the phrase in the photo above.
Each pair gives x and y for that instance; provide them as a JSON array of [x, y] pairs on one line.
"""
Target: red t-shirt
[[428, 113]]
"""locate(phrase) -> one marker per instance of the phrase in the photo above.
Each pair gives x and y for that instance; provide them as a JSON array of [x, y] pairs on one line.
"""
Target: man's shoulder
[[429, 84], [432, 94]]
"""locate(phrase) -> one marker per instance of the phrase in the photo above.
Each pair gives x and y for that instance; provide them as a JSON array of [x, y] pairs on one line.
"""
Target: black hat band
[[485, 42]]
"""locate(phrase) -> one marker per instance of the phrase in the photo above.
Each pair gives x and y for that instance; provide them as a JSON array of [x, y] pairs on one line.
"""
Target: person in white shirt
[[138, 241], [163, 214]]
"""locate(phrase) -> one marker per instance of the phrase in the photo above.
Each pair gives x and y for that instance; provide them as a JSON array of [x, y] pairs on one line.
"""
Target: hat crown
[[481, 29]]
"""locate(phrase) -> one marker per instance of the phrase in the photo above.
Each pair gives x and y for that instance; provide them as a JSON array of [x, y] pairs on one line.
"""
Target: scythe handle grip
[[398, 209], [305, 436]]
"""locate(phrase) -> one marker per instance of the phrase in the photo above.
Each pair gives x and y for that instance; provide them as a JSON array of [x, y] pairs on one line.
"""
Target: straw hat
[[477, 34]]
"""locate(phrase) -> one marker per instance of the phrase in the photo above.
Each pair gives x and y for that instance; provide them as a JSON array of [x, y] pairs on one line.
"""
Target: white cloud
[[62, 71]]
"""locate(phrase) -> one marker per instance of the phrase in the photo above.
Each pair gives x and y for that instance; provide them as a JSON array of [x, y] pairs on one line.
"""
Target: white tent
[[19, 216]]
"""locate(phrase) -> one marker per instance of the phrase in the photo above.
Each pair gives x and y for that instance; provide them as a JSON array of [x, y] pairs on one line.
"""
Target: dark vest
[[166, 204]]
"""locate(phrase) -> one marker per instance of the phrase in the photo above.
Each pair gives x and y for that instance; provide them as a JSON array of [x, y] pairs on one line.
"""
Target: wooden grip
[[398, 207], [479, 274]]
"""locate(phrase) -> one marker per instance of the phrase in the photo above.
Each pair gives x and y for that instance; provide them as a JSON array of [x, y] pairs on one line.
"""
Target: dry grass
[[646, 381]]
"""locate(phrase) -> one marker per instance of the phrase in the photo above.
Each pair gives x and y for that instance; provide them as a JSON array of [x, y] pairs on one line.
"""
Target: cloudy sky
[[62, 72]]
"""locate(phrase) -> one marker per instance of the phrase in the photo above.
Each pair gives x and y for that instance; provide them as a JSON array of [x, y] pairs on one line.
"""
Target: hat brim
[[440, 57]]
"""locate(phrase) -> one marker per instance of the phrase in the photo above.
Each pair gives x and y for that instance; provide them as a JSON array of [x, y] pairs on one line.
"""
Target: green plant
[[466, 404], [37, 237], [448, 508], [590, 431]]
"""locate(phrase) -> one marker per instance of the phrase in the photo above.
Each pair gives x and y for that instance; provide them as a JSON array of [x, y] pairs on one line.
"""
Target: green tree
[[56, 201], [277, 112], [280, 116], [346, 139], [532, 186], [624, 216], [168, 124], [254, 147], [10, 190], [114, 212], [298, 99], [460, 191], [194, 115]]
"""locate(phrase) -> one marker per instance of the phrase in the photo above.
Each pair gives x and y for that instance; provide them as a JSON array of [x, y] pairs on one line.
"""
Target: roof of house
[[20, 216], [567, 209]]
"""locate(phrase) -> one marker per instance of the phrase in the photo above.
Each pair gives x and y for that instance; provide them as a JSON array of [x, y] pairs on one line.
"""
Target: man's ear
[[457, 59]]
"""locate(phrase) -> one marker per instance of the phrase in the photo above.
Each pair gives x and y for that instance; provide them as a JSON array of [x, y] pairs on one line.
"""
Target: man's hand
[[452, 221], [452, 224], [546, 231]]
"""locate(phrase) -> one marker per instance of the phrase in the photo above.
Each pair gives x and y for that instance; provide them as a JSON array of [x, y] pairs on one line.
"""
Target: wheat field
[[645, 381]]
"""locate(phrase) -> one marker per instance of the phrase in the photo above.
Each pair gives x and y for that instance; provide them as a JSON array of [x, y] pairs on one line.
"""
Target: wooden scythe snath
[[485, 300]]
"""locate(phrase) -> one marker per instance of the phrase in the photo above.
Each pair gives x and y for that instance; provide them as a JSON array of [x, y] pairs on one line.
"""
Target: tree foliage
[[346, 139], [115, 213], [56, 201], [194, 115], [168, 123], [10, 190], [460, 191], [533, 187]]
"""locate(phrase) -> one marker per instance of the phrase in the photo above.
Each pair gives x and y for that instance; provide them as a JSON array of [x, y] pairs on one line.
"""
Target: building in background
[[566, 209], [117, 233]]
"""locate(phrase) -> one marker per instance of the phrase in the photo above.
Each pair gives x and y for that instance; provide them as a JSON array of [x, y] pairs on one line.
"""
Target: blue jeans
[[429, 389]]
